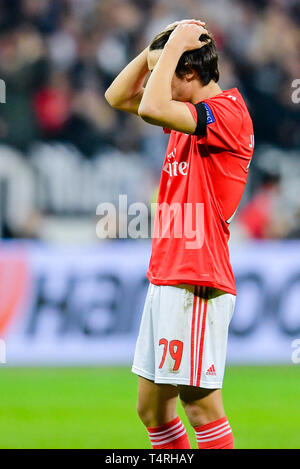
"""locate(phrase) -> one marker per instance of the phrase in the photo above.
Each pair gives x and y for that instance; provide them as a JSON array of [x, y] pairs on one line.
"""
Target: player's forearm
[[129, 82], [158, 92]]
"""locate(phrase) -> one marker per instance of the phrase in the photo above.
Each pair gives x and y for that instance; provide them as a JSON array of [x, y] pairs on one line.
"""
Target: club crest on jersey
[[173, 168]]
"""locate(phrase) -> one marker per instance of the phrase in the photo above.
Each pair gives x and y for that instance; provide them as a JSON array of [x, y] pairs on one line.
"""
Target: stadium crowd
[[57, 57]]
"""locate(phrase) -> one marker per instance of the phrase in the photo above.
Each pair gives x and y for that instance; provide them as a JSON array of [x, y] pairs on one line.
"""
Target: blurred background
[[71, 299]]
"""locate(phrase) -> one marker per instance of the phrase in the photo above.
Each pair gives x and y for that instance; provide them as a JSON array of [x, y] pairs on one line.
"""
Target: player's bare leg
[[201, 405], [157, 410], [156, 402], [205, 411]]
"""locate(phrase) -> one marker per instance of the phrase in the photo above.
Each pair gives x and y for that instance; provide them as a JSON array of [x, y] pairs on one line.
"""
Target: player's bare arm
[[126, 91], [158, 105]]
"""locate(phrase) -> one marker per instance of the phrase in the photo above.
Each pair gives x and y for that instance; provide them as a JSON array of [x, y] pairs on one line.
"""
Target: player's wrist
[[174, 47]]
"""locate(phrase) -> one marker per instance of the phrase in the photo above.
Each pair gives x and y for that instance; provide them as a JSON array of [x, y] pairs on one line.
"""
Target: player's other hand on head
[[186, 36]]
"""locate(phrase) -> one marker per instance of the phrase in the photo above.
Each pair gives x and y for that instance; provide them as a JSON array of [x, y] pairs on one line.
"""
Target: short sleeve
[[224, 123], [198, 112], [219, 121]]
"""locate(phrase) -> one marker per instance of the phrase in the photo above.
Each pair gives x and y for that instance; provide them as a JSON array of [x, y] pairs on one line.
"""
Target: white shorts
[[183, 335]]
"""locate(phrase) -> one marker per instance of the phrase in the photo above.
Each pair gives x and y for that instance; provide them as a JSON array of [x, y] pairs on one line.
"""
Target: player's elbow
[[148, 112], [111, 99]]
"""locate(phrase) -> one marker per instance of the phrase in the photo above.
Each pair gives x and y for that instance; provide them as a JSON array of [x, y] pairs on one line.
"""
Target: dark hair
[[204, 60]]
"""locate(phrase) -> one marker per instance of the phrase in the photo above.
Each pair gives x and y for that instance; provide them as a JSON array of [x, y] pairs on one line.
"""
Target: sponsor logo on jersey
[[173, 168]]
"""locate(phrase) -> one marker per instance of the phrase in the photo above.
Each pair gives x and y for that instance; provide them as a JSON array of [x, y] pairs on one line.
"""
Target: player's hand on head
[[191, 21], [186, 36]]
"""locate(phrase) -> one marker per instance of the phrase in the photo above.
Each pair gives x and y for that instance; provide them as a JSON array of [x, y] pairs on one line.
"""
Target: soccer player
[[181, 347]]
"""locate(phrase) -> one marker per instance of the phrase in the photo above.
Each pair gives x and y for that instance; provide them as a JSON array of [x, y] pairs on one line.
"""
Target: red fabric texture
[[171, 435], [215, 435]]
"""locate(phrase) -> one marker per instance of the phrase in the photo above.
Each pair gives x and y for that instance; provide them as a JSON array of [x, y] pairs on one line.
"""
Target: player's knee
[[201, 415], [155, 416], [194, 413]]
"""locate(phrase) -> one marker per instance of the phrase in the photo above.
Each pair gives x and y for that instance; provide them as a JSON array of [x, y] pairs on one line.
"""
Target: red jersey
[[202, 182]]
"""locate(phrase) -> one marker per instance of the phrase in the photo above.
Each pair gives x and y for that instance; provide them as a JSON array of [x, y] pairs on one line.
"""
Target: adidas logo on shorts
[[211, 371]]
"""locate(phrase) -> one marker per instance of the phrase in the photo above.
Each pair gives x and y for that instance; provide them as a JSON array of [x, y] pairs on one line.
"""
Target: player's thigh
[[156, 402]]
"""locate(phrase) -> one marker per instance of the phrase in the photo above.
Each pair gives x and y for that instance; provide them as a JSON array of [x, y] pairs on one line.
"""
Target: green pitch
[[95, 408]]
